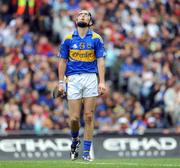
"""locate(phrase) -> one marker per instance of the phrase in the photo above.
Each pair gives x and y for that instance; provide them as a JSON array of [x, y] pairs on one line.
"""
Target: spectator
[[29, 123], [3, 125], [142, 64]]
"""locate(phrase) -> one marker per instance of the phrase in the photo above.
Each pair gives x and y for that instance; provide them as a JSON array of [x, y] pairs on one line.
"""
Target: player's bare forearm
[[61, 68], [101, 69]]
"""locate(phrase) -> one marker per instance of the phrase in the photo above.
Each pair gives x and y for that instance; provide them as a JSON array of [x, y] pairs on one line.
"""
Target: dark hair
[[91, 22]]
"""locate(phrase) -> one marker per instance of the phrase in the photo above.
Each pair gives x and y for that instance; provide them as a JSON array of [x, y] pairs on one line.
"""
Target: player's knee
[[75, 121], [74, 124], [88, 117]]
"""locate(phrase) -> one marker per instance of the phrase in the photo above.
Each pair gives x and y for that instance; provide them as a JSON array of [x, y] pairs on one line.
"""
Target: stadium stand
[[142, 64]]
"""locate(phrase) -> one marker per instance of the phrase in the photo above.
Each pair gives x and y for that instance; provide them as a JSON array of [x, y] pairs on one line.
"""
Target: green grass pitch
[[108, 163]]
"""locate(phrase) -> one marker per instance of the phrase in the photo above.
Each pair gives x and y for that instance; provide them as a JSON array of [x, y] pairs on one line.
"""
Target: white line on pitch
[[131, 164]]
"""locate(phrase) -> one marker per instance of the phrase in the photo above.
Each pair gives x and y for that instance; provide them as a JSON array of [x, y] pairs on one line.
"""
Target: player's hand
[[101, 88], [61, 88]]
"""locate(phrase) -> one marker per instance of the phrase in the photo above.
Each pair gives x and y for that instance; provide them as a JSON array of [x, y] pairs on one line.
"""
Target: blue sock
[[87, 146], [75, 137]]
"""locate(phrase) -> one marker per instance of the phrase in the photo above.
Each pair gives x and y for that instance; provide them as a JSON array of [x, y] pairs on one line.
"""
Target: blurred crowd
[[142, 64]]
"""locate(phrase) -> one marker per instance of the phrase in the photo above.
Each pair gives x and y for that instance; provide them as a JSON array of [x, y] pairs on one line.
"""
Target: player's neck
[[82, 31]]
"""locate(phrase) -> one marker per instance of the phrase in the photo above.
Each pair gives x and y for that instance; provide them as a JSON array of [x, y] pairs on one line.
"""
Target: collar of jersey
[[89, 32]]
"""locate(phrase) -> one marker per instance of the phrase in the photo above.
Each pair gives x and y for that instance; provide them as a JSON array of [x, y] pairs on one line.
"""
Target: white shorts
[[82, 85]]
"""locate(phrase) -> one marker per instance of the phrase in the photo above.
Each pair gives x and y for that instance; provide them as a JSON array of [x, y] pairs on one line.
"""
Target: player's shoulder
[[68, 36], [67, 39], [96, 36]]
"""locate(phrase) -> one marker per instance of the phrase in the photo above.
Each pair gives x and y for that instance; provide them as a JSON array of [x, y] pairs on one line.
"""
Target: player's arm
[[62, 68], [101, 69], [63, 56], [100, 55], [60, 88]]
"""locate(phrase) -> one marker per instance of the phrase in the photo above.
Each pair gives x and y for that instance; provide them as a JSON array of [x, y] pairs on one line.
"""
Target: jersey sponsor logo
[[82, 55]]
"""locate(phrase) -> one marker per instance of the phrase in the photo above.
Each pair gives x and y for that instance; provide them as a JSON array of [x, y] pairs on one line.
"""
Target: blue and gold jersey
[[82, 53]]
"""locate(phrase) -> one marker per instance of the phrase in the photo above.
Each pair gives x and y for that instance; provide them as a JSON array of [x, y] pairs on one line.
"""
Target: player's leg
[[74, 117], [89, 108], [89, 94], [74, 96]]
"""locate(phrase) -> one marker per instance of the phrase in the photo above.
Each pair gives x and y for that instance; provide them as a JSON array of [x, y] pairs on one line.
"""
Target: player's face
[[83, 16]]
